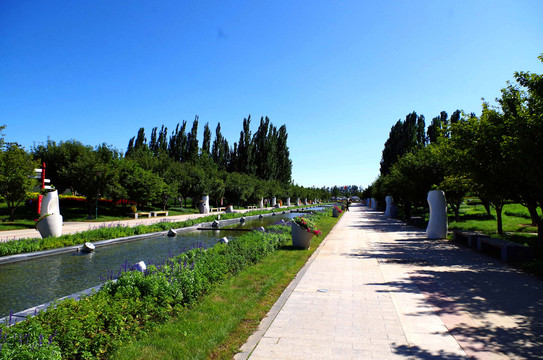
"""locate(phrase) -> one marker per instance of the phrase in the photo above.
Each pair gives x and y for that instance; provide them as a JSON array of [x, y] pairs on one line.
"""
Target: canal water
[[32, 282]]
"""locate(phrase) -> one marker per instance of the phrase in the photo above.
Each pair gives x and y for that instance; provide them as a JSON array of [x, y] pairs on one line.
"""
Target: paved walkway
[[377, 289]]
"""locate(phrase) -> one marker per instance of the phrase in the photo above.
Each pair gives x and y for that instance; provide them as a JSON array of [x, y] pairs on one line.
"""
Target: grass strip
[[217, 326]]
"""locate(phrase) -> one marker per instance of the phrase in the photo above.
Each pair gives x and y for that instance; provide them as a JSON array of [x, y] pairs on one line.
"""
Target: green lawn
[[517, 223], [218, 325]]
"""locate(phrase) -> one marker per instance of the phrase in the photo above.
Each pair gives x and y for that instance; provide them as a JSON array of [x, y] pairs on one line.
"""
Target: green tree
[[142, 186], [522, 113], [178, 143], [244, 153], [16, 166], [479, 142], [59, 159], [220, 149], [404, 137], [206, 142], [192, 142], [284, 164]]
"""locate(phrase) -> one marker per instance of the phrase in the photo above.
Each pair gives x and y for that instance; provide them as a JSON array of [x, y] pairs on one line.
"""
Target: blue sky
[[339, 74]]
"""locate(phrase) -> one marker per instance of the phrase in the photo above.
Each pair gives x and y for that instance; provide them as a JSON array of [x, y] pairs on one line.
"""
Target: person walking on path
[[378, 289]]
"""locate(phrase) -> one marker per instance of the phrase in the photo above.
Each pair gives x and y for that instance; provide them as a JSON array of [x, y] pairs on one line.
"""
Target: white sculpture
[[288, 202], [141, 266], [88, 247], [224, 240], [261, 203], [437, 225], [204, 205], [51, 222], [390, 203], [373, 204], [274, 202]]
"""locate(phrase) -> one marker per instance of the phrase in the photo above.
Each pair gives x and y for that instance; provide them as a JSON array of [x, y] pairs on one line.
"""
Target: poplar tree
[[206, 143], [192, 142]]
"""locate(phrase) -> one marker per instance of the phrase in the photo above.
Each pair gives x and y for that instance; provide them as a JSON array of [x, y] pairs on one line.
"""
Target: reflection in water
[[29, 283]]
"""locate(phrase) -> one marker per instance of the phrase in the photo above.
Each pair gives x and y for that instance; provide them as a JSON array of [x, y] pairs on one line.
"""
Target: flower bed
[[307, 224]]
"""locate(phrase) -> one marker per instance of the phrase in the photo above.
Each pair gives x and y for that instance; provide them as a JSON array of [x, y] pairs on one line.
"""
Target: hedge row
[[133, 304], [104, 233]]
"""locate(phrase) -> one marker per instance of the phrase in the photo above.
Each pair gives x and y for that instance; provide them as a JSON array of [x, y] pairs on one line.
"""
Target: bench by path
[[503, 249], [378, 289]]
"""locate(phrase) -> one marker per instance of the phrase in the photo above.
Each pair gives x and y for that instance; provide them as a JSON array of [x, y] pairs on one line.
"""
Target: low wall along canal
[[39, 280]]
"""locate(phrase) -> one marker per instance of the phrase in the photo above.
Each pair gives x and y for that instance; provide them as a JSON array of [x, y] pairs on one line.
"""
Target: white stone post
[[288, 202], [274, 202], [437, 225], [261, 203], [390, 202], [204, 206], [373, 204]]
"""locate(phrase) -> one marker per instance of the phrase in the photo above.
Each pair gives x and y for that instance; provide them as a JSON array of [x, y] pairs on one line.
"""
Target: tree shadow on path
[[503, 307]]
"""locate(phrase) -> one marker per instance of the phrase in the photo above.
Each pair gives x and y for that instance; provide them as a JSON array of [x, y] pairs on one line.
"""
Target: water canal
[[32, 282]]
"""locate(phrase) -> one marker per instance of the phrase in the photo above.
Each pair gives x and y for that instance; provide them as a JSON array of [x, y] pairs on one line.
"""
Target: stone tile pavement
[[378, 289]]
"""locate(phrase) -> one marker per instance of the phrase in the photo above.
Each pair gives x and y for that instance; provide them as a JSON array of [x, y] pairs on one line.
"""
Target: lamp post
[[98, 173]]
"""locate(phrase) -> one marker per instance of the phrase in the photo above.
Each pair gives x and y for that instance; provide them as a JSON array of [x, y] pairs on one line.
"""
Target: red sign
[[40, 198]]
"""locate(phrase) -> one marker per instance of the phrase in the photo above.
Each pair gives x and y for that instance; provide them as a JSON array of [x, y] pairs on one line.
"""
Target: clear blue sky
[[339, 74]]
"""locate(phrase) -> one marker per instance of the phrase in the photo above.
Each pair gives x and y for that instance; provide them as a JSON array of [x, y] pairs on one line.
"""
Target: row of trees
[[496, 155], [162, 169], [264, 155]]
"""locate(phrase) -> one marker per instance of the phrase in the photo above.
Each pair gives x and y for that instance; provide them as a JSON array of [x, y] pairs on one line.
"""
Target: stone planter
[[50, 226], [437, 225], [301, 238], [335, 213]]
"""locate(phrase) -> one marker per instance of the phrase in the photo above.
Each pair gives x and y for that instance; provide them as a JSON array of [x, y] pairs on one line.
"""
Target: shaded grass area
[[517, 223], [517, 227], [216, 327]]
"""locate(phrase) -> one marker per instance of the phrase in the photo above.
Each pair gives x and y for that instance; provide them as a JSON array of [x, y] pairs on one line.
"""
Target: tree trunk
[[533, 214], [91, 203], [486, 204], [11, 212], [407, 210], [499, 209], [456, 210]]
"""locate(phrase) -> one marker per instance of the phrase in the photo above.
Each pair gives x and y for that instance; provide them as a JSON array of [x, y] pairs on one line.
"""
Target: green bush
[[136, 302], [105, 233]]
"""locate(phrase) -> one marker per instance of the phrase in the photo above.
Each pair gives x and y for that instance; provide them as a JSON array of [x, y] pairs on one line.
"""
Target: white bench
[[157, 213], [140, 214]]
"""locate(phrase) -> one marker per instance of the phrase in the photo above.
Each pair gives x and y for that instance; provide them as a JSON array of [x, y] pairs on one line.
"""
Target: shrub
[[134, 303]]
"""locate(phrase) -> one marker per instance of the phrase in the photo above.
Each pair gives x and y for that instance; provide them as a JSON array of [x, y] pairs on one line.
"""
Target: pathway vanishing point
[[378, 289]]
